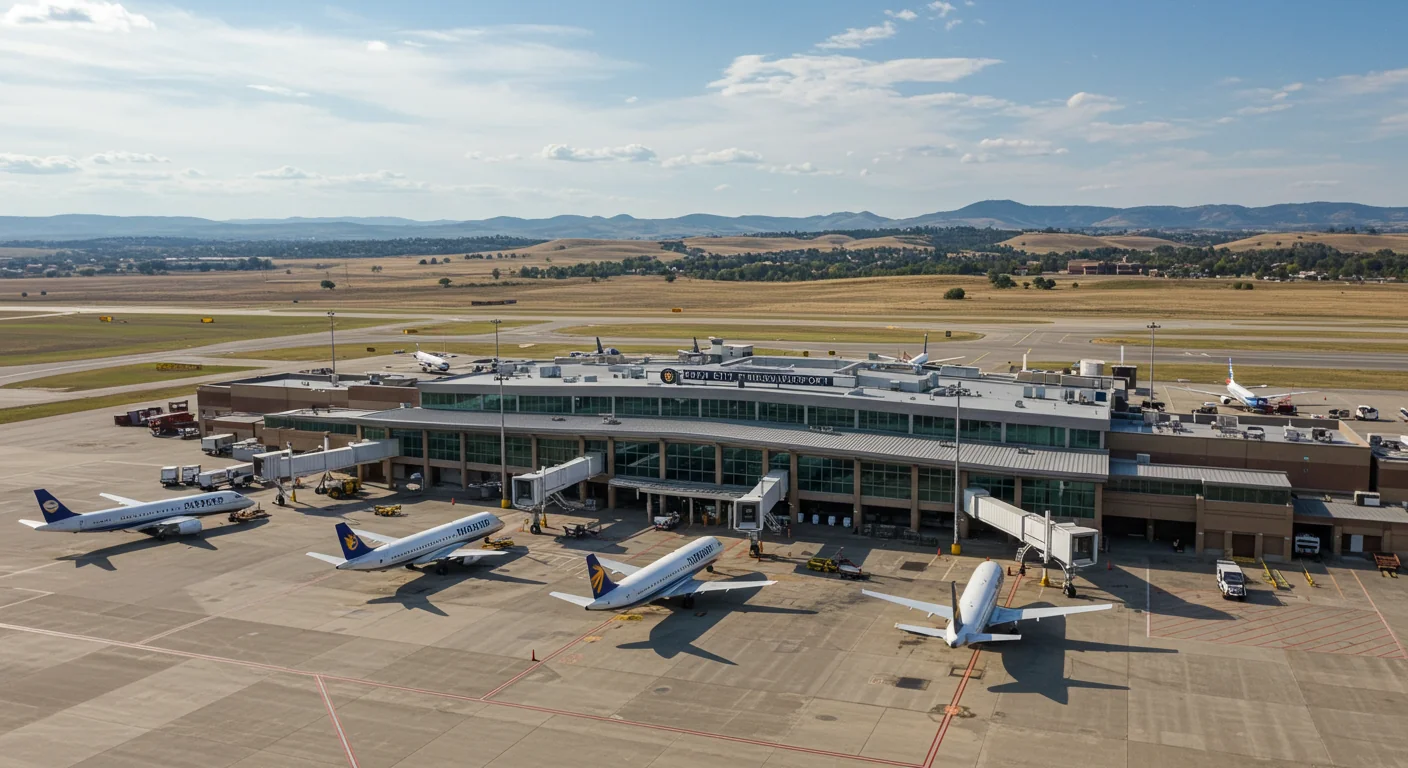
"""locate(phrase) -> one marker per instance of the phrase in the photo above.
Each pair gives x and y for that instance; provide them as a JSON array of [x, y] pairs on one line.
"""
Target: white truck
[[1366, 413], [1306, 545], [236, 476], [1231, 580], [217, 445], [180, 475]]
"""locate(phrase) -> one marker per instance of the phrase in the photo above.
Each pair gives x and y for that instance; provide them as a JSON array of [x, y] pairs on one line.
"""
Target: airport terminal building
[[866, 443]]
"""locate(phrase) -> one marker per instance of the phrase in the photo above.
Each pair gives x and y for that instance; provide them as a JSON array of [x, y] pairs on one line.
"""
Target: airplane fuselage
[[137, 515], [431, 362], [427, 542], [976, 604], [1244, 396], [658, 577]]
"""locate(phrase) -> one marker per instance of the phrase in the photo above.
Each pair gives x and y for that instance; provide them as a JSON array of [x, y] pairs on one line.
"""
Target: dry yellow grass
[[728, 246], [1344, 242], [1043, 242], [578, 249]]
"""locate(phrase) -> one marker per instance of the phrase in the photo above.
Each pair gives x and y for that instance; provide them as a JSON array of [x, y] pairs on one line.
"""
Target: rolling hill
[[1341, 241], [1047, 242]]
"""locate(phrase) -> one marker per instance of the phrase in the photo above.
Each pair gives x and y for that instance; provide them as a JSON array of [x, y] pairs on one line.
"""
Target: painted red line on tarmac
[[1212, 635], [1331, 639], [337, 724], [730, 548], [548, 658], [1380, 613], [1317, 624], [1370, 642], [1278, 632]]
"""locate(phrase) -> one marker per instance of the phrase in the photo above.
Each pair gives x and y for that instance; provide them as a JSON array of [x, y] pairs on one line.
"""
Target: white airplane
[[600, 350], [168, 517], [918, 361], [1236, 393], [429, 362], [970, 616], [438, 545], [670, 576]]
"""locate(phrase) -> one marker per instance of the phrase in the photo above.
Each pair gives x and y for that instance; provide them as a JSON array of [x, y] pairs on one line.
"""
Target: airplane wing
[[169, 522], [378, 538], [933, 609], [927, 631], [458, 550], [693, 586], [621, 568], [33, 523], [1280, 395], [123, 500], [574, 599], [1202, 391], [326, 558], [1005, 615]]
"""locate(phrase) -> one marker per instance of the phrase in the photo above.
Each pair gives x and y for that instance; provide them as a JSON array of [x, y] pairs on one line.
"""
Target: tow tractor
[[496, 544], [388, 510], [247, 514], [837, 564], [338, 488], [581, 530]]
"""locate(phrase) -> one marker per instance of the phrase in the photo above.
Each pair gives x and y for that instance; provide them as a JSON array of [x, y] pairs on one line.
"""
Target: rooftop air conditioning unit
[[1366, 498], [589, 379]]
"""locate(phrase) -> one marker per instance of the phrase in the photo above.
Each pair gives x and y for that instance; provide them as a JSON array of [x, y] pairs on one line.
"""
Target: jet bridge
[[1071, 546], [532, 491], [277, 466], [753, 512]]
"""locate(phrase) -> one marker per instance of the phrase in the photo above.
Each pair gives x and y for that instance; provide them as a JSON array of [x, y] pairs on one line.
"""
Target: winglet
[[52, 509], [953, 598], [597, 575], [352, 545]]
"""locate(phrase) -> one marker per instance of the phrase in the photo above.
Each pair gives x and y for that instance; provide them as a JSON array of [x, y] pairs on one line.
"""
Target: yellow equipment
[[823, 564], [492, 543], [344, 488], [387, 510]]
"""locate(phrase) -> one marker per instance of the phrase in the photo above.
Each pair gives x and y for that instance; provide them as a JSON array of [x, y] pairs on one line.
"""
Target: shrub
[[328, 284], [954, 294]]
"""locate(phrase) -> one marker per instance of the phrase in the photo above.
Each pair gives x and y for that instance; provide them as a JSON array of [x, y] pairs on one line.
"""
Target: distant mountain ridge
[[1001, 214]]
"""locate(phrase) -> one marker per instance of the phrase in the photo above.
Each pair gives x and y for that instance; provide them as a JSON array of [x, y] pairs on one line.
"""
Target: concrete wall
[[1309, 466]]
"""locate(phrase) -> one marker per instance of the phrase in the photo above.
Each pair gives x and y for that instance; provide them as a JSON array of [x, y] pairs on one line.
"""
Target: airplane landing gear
[[688, 602], [709, 568], [410, 566], [441, 568]]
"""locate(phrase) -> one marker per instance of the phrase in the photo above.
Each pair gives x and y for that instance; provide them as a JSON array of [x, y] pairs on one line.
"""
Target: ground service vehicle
[[217, 445], [1231, 580], [1306, 545], [1366, 413]]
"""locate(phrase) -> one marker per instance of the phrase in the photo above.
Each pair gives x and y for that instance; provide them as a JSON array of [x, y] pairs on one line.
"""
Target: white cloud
[[858, 38], [53, 164], [1092, 102], [1096, 187], [865, 171], [718, 157], [286, 173], [1316, 183], [635, 153], [113, 157], [1130, 133], [191, 173], [486, 158], [722, 187], [1225, 120], [76, 14], [820, 78], [279, 90], [948, 27], [903, 15], [631, 99], [1267, 109], [942, 8], [377, 46], [1371, 82], [799, 169], [996, 149]]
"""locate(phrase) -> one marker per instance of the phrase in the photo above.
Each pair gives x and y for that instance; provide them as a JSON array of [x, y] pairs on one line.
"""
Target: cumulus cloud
[[717, 157], [1130, 133], [76, 14], [192, 173], [31, 164], [377, 46], [821, 78], [113, 157], [632, 99], [721, 187], [799, 169], [998, 148], [903, 14], [1370, 82], [635, 153], [859, 38], [1265, 109], [279, 90], [286, 173], [483, 158], [941, 8], [1092, 102], [948, 26]]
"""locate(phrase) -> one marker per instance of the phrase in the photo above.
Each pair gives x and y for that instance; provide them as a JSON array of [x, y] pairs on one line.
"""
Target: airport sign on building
[[682, 375]]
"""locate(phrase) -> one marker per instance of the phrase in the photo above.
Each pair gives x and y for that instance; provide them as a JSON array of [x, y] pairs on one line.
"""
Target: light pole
[[1152, 327], [503, 438], [332, 338], [957, 490]]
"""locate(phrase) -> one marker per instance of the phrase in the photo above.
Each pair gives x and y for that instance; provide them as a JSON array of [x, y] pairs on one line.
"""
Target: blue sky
[[472, 110]]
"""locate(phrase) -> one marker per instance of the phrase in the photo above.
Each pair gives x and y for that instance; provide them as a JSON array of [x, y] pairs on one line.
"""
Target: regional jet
[[431, 363], [670, 576], [1236, 393], [602, 351], [970, 617], [168, 517], [440, 545], [917, 362]]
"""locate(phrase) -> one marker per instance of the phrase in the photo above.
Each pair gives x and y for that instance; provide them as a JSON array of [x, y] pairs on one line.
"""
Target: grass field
[[117, 376], [728, 246], [1385, 333], [771, 332], [470, 349], [83, 336], [1060, 242], [466, 328], [1279, 378], [41, 410], [1342, 241], [1262, 345]]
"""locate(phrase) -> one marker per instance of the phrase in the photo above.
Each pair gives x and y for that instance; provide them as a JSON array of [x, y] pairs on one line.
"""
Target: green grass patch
[[774, 332], [1279, 378], [59, 408], [84, 336], [1265, 345], [118, 376]]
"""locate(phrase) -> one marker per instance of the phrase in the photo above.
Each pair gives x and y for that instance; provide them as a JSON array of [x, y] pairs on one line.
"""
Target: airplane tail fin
[[953, 601], [599, 350], [926, 343], [52, 509], [696, 345], [601, 581], [1230, 377], [352, 545]]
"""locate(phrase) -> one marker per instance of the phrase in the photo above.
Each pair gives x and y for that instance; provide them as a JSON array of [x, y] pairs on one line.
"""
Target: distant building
[[1094, 267]]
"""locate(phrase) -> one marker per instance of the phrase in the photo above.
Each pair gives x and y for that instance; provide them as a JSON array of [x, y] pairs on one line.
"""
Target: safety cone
[[452, 501], [535, 654], [1109, 565]]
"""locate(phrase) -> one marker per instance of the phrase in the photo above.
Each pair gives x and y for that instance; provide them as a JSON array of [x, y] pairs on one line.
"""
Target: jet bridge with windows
[[1071, 546], [533, 491]]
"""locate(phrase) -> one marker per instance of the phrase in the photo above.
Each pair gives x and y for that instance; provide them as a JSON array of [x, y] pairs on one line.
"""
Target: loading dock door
[[1244, 545], [1353, 542]]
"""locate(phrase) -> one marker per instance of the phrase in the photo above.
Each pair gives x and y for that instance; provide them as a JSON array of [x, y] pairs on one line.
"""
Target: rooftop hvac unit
[[1374, 440], [1294, 435], [1366, 498], [550, 371], [590, 379], [1226, 421], [1020, 404], [1141, 458], [1028, 391]]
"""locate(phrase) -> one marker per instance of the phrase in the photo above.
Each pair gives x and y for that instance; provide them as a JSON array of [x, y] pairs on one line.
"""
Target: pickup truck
[[1231, 580]]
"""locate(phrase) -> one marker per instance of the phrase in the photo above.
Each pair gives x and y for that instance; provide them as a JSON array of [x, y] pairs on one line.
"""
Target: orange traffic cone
[[452, 501]]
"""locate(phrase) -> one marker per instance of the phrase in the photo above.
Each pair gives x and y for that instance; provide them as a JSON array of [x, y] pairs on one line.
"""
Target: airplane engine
[[188, 527], [1226, 400]]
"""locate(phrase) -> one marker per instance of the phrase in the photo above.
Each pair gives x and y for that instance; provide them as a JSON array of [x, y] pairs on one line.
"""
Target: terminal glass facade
[[934, 426], [844, 418], [782, 413], [1154, 486], [481, 449], [689, 462], [598, 446], [552, 452], [1247, 495], [591, 406], [728, 410], [410, 441], [886, 481], [1085, 438], [544, 404], [1065, 498], [520, 451], [780, 460], [638, 406], [638, 459], [373, 433], [679, 407], [825, 475], [884, 421], [1031, 434], [742, 466], [303, 425], [936, 484], [987, 431], [997, 486], [444, 445]]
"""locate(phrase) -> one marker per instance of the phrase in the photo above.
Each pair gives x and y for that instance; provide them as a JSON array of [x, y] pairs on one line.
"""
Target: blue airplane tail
[[52, 509], [1230, 377], [596, 574], [352, 545]]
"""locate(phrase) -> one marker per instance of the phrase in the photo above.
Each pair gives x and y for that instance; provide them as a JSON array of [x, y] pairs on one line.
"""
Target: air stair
[[1068, 545]]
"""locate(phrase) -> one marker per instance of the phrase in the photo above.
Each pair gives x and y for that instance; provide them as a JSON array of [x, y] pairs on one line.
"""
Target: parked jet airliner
[[163, 518], [918, 361], [970, 616], [438, 545], [670, 576], [1236, 393], [429, 362]]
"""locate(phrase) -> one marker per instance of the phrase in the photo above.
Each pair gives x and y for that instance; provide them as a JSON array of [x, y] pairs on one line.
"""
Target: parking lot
[[235, 648]]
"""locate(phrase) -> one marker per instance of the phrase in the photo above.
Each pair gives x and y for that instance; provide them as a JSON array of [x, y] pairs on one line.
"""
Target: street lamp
[[503, 438], [332, 338], [957, 491], [1152, 327]]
